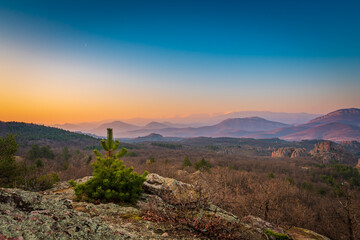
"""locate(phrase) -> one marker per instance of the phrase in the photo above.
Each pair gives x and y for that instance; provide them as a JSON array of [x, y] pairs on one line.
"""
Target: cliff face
[[52, 214], [290, 152], [328, 152], [325, 152], [358, 165]]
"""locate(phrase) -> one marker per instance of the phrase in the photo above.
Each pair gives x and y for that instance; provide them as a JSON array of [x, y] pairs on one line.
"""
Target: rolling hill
[[28, 133], [236, 127], [156, 125], [340, 125], [118, 127], [349, 116], [195, 120], [323, 127], [153, 137], [333, 131]]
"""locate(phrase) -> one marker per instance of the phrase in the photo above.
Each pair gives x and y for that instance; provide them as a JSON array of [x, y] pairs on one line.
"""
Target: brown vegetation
[[245, 181]]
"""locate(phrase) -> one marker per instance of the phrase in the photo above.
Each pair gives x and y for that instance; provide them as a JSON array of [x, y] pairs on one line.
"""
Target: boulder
[[172, 193], [170, 190]]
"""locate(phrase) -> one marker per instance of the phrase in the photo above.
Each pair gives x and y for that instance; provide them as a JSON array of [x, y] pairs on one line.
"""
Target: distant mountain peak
[[156, 125], [257, 118], [347, 115], [248, 119], [339, 125], [154, 135], [344, 111]]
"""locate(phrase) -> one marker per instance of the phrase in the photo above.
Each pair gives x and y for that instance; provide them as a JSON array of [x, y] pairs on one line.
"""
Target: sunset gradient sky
[[75, 61]]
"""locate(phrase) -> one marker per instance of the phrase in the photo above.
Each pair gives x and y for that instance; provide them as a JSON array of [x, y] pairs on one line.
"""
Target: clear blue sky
[[182, 57]]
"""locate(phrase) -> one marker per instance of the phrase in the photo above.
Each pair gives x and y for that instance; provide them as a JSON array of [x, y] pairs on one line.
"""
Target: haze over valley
[[340, 125], [179, 119]]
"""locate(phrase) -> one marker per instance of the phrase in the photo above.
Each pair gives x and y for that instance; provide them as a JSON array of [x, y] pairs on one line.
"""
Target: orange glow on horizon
[[39, 89]]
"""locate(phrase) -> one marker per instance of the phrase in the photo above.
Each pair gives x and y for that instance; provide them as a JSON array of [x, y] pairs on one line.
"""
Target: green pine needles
[[112, 181]]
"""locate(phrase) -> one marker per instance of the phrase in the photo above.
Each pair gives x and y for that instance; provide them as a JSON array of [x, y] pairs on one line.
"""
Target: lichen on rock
[[29, 215], [53, 214]]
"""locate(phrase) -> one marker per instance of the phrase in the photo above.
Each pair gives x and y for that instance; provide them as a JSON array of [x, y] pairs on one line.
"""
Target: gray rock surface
[[28, 215]]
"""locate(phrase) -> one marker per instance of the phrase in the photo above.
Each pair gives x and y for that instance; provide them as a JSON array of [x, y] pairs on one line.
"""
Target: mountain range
[[194, 120], [340, 125], [235, 127]]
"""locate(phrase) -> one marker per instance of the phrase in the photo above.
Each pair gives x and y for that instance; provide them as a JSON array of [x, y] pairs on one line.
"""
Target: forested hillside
[[28, 134]]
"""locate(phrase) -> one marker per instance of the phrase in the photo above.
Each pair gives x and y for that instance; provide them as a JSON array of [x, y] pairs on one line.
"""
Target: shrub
[[187, 162], [65, 165], [112, 181], [321, 191], [65, 154], [40, 183], [36, 152], [47, 181], [39, 163], [88, 161], [152, 160], [290, 180], [307, 186], [203, 165], [72, 183], [46, 152], [8, 166]]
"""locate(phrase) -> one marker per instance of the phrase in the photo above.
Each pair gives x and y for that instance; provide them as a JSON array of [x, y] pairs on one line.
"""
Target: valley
[[272, 178]]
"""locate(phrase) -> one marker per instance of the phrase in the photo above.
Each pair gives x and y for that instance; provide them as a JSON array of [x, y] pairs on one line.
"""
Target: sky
[[80, 61]]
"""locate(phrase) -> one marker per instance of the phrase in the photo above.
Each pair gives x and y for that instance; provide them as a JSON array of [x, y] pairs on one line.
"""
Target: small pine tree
[[65, 154], [271, 175], [203, 165], [34, 152], [152, 160], [46, 152], [39, 163], [88, 160], [186, 162], [112, 181], [8, 166]]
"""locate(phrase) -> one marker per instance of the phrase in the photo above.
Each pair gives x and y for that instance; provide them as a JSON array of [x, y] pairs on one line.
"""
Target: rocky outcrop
[[358, 165], [328, 152], [28, 215], [170, 190], [53, 215], [290, 152], [324, 147], [174, 193]]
